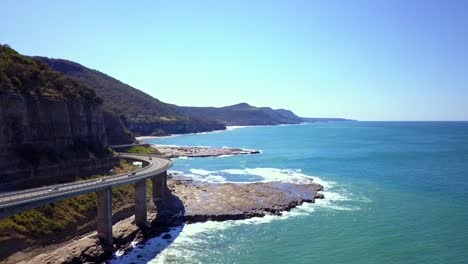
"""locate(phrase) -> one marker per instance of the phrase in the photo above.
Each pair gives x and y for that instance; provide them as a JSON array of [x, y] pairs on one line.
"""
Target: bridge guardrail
[[83, 186]]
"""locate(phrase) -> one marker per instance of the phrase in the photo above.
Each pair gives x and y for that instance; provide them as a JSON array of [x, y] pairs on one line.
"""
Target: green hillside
[[140, 112], [245, 115]]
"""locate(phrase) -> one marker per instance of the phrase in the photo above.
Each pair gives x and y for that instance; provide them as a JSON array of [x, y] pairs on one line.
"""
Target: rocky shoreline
[[201, 152], [188, 202]]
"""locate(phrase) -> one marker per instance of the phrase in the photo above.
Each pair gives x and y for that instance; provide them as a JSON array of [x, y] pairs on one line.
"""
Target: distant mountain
[[289, 115], [312, 119], [244, 114], [145, 115], [141, 113]]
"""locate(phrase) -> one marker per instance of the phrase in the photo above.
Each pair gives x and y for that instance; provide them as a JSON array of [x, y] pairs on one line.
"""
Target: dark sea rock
[[319, 196], [167, 236]]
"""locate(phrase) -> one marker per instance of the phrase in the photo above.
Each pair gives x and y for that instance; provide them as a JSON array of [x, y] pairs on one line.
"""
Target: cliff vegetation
[[244, 114], [52, 127], [63, 220], [139, 112]]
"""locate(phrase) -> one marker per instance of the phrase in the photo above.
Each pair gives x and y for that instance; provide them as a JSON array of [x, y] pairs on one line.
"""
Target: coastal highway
[[14, 202]]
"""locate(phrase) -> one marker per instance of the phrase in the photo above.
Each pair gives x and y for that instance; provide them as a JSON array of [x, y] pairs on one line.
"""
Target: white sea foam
[[225, 156], [201, 172], [235, 127], [180, 245], [143, 138], [235, 171], [161, 145], [186, 241], [334, 197], [215, 178], [209, 132], [265, 175], [283, 175], [212, 178]]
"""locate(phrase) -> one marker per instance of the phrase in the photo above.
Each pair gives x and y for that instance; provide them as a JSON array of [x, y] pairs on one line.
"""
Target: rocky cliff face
[[151, 128], [117, 133], [52, 128], [46, 139]]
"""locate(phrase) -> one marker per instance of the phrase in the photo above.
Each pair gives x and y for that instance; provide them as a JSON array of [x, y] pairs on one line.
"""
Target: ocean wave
[[336, 196], [208, 178], [263, 175], [188, 241], [267, 175], [225, 156], [180, 146], [201, 172], [334, 200], [183, 238], [228, 128], [144, 138], [164, 145]]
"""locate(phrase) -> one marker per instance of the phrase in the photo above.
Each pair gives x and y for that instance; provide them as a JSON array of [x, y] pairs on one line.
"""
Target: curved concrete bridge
[[155, 169]]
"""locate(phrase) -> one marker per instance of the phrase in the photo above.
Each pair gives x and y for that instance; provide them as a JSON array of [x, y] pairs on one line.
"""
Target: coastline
[[228, 128], [170, 152], [190, 202]]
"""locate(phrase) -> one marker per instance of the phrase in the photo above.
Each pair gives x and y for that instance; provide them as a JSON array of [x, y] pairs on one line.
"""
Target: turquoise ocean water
[[396, 192]]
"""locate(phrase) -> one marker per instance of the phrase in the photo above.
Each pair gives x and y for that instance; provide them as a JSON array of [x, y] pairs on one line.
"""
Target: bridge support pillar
[[159, 188], [161, 199], [141, 210], [104, 219]]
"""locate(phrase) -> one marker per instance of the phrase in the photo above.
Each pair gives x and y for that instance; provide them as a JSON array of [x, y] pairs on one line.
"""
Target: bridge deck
[[15, 202]]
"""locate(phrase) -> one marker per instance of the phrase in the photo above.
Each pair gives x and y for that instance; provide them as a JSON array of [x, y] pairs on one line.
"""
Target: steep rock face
[[47, 139], [116, 132], [51, 127], [150, 128]]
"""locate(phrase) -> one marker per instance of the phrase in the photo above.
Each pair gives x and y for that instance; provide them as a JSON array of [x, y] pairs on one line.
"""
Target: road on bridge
[[51, 193]]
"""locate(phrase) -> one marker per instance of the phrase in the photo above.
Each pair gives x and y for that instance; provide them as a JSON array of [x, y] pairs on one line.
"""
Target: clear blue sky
[[368, 60]]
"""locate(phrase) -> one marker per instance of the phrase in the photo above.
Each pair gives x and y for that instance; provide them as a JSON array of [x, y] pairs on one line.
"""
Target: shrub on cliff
[[28, 76], [145, 150], [51, 125]]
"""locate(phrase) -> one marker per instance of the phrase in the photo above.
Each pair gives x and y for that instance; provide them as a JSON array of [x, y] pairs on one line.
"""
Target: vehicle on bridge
[[17, 202], [54, 189]]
